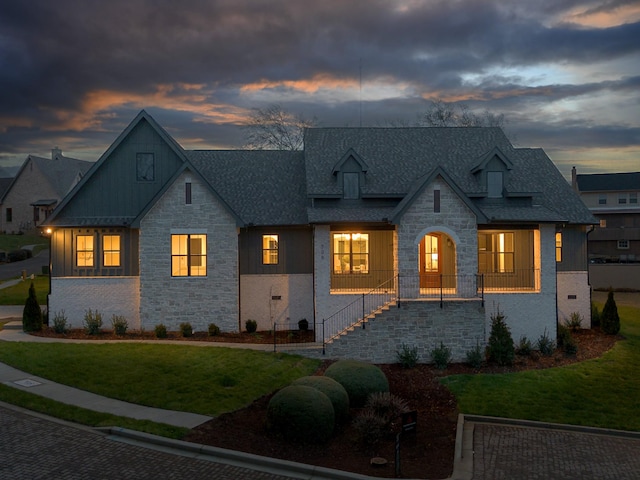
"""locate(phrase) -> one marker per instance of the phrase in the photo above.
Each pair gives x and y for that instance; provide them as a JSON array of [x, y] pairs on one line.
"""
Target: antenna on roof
[[360, 91]]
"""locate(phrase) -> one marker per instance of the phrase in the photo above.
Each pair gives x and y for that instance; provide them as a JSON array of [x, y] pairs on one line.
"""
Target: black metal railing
[[356, 313]]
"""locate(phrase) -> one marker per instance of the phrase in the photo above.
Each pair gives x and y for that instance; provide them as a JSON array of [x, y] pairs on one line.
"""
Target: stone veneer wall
[[197, 300], [108, 295], [294, 304], [459, 325]]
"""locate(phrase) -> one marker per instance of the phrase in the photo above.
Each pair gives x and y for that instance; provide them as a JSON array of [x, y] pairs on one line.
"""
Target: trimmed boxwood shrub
[[332, 389], [301, 414], [359, 379], [251, 326]]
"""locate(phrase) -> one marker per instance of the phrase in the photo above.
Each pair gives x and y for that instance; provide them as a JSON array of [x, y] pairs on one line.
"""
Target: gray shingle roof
[[396, 157], [602, 182], [263, 187], [62, 172]]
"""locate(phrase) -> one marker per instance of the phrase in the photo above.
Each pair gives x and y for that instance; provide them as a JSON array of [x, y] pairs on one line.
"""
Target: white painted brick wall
[[108, 295], [574, 284], [296, 302], [197, 300]]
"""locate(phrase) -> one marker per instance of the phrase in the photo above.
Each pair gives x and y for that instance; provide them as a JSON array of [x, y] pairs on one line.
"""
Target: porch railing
[[359, 310]]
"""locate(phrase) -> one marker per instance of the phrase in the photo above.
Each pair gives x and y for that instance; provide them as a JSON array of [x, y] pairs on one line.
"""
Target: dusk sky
[[565, 73]]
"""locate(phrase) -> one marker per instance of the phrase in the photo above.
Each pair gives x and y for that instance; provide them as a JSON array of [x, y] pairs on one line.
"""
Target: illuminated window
[[558, 247], [350, 253], [431, 253], [111, 250], [496, 252], [84, 250], [603, 223], [270, 249], [188, 255]]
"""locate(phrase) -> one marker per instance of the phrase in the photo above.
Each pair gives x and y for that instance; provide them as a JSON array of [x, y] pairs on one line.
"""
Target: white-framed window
[[602, 199], [188, 255], [633, 198], [622, 198], [270, 247], [350, 253], [496, 252], [623, 244], [111, 250], [558, 246], [84, 250]]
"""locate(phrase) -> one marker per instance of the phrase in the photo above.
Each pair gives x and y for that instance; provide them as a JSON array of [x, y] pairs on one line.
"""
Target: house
[[614, 244], [36, 190], [418, 234]]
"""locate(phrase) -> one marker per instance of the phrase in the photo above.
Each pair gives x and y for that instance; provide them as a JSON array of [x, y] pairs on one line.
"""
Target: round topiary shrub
[[301, 414], [359, 379], [332, 389]]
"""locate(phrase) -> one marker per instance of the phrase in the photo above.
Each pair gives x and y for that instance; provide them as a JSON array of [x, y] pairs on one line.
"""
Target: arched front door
[[430, 261]]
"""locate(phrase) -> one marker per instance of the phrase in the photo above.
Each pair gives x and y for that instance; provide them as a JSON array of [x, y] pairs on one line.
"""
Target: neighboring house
[[434, 229], [613, 200], [614, 244], [36, 190]]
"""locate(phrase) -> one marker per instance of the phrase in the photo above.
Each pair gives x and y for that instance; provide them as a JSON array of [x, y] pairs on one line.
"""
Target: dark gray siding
[[574, 249], [295, 250], [63, 252]]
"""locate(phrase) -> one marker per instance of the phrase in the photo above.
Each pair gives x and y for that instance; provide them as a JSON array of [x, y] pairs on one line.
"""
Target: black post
[[363, 322], [398, 455], [323, 342], [274, 337], [441, 301]]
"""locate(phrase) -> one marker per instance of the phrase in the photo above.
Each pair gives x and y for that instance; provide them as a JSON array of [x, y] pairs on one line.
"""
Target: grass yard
[[16, 242], [603, 392], [17, 294], [205, 380]]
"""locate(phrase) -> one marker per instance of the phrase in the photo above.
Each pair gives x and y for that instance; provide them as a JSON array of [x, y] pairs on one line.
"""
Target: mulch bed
[[426, 453]]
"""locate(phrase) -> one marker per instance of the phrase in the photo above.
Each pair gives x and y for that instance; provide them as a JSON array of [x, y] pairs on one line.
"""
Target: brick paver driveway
[[33, 448]]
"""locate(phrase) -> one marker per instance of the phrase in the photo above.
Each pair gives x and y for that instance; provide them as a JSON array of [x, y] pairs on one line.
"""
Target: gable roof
[[608, 182]]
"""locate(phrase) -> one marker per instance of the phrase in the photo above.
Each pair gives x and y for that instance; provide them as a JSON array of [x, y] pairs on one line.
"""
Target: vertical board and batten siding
[[295, 251], [63, 253], [113, 190], [574, 249]]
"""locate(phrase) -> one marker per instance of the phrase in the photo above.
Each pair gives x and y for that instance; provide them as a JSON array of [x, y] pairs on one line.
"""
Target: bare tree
[[444, 114], [273, 128]]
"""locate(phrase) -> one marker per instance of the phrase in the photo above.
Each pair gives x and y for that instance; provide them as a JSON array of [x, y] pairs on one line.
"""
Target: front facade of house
[[444, 226]]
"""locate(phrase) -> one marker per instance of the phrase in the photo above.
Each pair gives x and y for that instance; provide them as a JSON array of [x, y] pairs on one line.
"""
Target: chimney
[[55, 153], [574, 178]]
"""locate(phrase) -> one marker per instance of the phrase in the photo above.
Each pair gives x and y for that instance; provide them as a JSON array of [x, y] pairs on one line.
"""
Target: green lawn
[[17, 294], [603, 392], [205, 380]]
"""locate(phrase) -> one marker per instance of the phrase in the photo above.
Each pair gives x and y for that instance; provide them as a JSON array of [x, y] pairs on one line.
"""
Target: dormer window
[[351, 185], [349, 172], [495, 184]]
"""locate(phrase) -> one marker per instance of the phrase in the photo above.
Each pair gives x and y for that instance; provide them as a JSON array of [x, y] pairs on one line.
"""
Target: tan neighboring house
[[37, 188]]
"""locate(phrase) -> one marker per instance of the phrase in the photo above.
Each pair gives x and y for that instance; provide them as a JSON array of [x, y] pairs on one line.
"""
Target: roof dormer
[[493, 168], [350, 171]]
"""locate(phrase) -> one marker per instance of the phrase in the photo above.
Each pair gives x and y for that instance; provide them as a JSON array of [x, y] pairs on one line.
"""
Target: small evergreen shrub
[[251, 326], [303, 325], [371, 428], [609, 319], [161, 331], [120, 325], [60, 322], [500, 349], [407, 356], [31, 315], [564, 335], [524, 347], [475, 357], [300, 413], [441, 356], [333, 390], [214, 330], [186, 330], [359, 379], [92, 322], [387, 405], [545, 345], [574, 322], [570, 347], [595, 315]]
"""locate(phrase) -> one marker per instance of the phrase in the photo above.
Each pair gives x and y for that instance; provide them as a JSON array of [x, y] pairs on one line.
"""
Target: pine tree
[[501, 349], [609, 319], [32, 315]]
